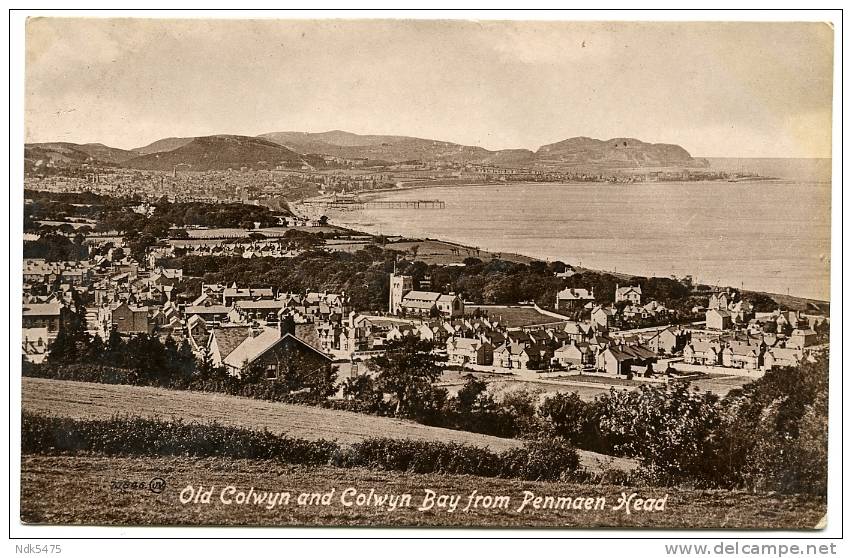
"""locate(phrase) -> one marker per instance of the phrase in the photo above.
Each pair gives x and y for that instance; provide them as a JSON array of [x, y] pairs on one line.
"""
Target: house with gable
[[461, 351], [573, 299], [718, 319], [631, 295], [574, 355], [703, 352], [739, 354], [274, 350]]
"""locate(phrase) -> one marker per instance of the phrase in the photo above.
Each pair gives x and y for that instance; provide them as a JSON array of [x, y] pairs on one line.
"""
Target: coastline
[[487, 252], [792, 301], [378, 193]]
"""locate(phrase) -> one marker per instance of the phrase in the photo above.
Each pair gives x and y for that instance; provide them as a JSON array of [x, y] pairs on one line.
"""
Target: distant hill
[[393, 148], [219, 153], [574, 152], [70, 153], [107, 154], [165, 144], [57, 153], [73, 155], [616, 152], [293, 149]]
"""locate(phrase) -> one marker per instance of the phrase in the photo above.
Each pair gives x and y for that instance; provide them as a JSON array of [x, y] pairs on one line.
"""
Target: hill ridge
[[294, 148]]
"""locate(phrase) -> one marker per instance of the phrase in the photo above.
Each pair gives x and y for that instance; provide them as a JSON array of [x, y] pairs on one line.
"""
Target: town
[[115, 284]]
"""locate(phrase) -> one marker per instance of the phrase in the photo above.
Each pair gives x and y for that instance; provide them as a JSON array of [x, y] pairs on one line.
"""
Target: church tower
[[399, 286]]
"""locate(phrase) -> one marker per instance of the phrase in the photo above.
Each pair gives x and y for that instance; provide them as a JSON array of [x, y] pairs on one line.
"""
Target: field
[[91, 490], [452, 381], [516, 316], [440, 252], [102, 401], [720, 384]]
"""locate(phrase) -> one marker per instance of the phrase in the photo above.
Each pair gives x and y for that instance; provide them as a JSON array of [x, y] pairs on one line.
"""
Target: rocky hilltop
[[616, 152]]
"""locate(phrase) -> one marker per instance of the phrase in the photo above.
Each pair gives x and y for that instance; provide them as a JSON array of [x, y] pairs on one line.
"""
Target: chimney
[[287, 325]]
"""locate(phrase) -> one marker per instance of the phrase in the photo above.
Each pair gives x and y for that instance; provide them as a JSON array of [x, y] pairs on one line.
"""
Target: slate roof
[[574, 294], [51, 309], [229, 338]]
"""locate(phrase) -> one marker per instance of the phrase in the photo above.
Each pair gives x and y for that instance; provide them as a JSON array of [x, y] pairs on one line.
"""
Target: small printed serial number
[[155, 485], [124, 485], [31, 548]]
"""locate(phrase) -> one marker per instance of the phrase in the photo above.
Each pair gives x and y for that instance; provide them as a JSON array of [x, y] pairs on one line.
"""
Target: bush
[[545, 459], [415, 456], [542, 459], [97, 373]]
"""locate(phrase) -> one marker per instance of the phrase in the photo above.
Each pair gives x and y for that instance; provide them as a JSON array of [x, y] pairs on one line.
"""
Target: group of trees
[[55, 247], [772, 434], [115, 213], [363, 276], [403, 385], [214, 215], [139, 359]]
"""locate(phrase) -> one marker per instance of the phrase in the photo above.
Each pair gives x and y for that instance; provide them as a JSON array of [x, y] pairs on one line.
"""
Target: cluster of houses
[[238, 326], [751, 348], [626, 308]]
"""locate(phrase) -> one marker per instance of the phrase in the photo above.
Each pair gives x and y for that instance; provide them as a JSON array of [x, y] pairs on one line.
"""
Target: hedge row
[[546, 459], [155, 437]]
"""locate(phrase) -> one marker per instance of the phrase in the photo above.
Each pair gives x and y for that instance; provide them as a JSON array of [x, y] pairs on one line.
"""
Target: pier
[[377, 204]]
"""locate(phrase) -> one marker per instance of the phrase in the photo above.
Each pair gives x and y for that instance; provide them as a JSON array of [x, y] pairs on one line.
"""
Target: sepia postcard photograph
[[424, 273]]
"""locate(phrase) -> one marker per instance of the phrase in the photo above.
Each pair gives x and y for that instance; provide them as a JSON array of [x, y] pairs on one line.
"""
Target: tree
[[775, 430], [360, 388], [407, 370], [471, 393], [140, 244], [673, 430], [567, 415], [205, 367], [71, 344]]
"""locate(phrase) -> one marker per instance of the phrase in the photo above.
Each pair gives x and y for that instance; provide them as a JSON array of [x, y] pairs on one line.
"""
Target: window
[[271, 371]]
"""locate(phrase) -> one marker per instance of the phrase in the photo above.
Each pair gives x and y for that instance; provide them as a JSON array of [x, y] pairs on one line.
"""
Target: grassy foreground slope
[[101, 401], [81, 490]]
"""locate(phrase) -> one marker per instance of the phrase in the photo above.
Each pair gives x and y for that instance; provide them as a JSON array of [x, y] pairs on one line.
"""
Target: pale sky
[[718, 90]]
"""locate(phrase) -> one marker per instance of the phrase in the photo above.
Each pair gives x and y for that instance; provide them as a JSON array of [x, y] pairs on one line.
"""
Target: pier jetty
[[375, 204]]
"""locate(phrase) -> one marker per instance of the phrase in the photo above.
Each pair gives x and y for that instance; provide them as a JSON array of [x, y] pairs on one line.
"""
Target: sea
[[765, 235]]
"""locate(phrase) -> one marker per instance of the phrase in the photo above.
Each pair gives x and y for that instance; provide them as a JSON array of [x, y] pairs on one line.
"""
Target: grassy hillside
[[101, 401], [393, 148], [90, 490], [165, 144], [219, 153]]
